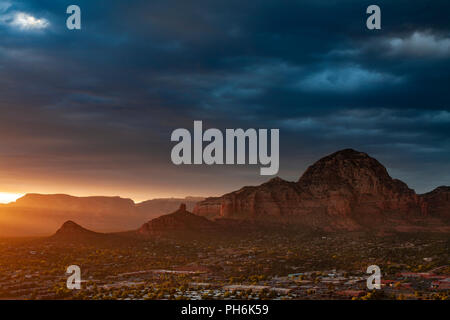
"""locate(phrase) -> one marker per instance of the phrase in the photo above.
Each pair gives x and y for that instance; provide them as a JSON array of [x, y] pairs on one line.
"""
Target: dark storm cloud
[[106, 98]]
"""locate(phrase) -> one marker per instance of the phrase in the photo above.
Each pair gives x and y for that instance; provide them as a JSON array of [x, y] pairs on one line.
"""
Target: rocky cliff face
[[356, 188], [346, 190], [209, 208], [274, 199], [437, 203]]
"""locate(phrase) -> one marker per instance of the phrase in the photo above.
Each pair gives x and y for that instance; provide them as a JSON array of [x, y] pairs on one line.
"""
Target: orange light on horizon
[[7, 197]]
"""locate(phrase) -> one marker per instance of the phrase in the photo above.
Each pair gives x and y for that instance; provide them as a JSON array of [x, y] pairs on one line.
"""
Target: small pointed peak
[[69, 227], [274, 181], [70, 223], [180, 211], [72, 230]]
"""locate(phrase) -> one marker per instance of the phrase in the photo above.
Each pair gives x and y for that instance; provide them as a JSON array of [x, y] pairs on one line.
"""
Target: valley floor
[[256, 266]]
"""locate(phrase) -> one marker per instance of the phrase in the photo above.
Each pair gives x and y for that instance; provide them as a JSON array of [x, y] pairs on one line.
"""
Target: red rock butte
[[347, 190]]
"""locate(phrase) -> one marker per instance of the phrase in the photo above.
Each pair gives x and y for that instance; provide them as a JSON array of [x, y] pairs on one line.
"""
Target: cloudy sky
[[91, 111]]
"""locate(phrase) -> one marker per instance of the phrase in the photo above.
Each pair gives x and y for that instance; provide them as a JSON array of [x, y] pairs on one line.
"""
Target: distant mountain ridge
[[40, 214], [347, 190]]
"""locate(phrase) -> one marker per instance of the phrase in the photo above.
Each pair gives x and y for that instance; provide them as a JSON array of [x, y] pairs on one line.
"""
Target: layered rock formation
[[437, 203], [347, 190]]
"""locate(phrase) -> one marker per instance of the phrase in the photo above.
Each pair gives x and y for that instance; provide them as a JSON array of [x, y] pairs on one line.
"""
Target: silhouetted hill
[[70, 231], [178, 223]]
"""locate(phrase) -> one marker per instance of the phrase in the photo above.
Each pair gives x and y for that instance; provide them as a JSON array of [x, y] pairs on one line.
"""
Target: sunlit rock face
[[347, 190]]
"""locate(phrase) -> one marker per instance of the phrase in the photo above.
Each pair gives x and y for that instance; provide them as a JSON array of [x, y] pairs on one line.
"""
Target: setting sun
[[6, 197]]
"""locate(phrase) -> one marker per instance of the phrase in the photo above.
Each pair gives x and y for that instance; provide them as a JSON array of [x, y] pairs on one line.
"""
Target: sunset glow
[[6, 197]]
